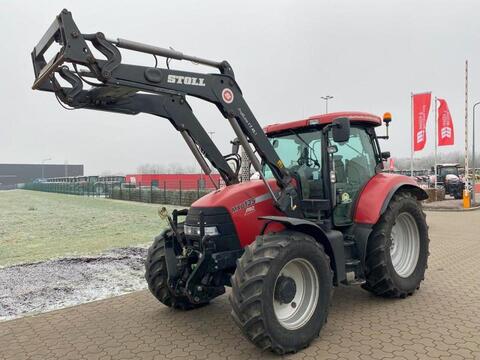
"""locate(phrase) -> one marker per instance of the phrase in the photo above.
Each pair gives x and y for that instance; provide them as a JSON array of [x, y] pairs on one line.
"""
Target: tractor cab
[[447, 169], [331, 157]]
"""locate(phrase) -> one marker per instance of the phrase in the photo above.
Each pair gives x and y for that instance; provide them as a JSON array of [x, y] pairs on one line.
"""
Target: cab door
[[354, 163]]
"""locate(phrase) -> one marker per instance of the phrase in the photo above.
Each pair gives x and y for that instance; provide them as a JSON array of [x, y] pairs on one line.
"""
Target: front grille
[[214, 216]]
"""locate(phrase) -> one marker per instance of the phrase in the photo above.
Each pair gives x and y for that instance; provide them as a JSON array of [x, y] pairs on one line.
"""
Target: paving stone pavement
[[450, 204], [441, 321]]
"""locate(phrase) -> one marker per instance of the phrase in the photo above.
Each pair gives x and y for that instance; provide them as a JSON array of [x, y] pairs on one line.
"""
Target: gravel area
[[55, 284]]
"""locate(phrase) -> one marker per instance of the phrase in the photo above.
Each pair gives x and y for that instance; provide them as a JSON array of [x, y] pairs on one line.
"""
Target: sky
[[370, 55]]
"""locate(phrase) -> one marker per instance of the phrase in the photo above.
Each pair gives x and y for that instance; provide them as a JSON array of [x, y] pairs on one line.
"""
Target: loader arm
[[117, 88], [174, 108]]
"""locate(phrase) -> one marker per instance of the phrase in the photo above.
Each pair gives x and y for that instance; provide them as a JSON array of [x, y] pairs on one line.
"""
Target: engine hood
[[452, 178], [245, 202], [238, 197]]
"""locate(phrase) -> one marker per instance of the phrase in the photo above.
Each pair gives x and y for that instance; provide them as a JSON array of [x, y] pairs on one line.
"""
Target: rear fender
[[377, 194], [332, 240]]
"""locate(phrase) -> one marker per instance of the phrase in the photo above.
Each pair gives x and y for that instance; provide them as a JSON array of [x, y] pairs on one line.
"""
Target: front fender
[[331, 240], [377, 193]]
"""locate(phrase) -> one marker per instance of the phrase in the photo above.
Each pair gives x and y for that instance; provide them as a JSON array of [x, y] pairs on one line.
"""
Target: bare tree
[[428, 161], [171, 168]]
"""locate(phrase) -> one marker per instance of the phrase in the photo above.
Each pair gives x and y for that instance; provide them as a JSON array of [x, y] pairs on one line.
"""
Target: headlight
[[195, 230]]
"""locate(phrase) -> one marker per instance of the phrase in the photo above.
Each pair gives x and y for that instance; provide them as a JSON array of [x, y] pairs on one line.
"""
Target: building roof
[[354, 116]]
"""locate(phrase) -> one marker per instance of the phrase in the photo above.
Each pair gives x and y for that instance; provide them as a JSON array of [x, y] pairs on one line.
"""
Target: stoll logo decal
[[185, 80], [227, 95]]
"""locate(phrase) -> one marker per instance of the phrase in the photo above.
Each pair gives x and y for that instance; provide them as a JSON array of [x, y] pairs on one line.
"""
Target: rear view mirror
[[385, 155], [341, 130]]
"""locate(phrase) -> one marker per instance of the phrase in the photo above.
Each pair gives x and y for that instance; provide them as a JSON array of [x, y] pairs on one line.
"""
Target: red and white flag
[[421, 108], [446, 136]]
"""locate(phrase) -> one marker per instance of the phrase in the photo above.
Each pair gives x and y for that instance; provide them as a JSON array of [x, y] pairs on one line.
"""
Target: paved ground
[[451, 204], [441, 321]]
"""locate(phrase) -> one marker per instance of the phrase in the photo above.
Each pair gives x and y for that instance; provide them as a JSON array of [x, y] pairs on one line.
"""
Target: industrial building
[[13, 174]]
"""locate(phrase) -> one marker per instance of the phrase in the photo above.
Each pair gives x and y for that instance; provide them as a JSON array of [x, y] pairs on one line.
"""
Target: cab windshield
[[301, 153], [448, 170]]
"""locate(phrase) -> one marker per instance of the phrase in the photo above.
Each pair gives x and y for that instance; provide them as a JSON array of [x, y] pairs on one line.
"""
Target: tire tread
[[157, 277]]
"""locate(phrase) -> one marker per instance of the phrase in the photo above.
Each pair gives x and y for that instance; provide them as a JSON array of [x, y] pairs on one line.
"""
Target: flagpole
[[436, 140], [466, 194], [411, 125]]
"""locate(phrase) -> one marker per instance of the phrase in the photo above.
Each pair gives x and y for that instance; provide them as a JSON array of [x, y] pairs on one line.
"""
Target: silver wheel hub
[[405, 245], [296, 294]]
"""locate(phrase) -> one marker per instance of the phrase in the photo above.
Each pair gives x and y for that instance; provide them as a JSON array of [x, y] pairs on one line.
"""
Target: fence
[[85, 189], [165, 192]]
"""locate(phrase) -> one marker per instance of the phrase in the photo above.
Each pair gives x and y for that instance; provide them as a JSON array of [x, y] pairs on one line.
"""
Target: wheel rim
[[405, 246], [297, 312]]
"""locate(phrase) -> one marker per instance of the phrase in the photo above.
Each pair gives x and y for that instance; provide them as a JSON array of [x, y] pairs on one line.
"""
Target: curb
[[440, 209]]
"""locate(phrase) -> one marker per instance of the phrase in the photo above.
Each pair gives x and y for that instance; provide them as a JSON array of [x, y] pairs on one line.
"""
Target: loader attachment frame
[[132, 89]]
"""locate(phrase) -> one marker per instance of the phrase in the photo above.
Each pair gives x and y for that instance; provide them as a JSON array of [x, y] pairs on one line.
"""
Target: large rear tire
[[281, 291], [157, 277], [397, 250]]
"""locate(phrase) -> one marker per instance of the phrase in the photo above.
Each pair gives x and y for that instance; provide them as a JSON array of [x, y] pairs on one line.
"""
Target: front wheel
[[397, 250], [281, 291]]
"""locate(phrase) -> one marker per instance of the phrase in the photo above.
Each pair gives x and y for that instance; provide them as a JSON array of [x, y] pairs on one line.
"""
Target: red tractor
[[323, 214]]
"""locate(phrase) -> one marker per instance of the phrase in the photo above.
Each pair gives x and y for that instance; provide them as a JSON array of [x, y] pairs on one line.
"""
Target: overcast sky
[[370, 55]]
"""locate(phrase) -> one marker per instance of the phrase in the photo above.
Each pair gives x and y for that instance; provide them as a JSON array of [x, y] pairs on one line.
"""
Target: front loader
[[322, 214]]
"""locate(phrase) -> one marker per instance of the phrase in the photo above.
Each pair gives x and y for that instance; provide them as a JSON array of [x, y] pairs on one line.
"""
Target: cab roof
[[354, 116], [449, 165]]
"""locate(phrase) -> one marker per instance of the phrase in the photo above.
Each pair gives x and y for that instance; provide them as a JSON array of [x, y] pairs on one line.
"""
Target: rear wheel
[[397, 251], [281, 291], [157, 277]]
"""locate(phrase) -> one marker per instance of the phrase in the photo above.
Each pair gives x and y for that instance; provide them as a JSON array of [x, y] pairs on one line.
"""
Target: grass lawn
[[38, 226]]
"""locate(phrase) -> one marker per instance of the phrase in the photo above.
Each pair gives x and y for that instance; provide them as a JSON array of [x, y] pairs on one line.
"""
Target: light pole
[[43, 167], [473, 153], [326, 98]]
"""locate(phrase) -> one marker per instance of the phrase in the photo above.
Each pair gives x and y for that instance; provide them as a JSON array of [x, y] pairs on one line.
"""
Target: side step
[[352, 280], [353, 267]]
